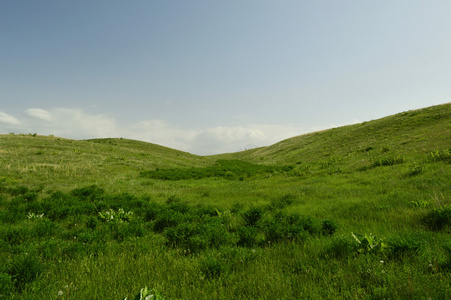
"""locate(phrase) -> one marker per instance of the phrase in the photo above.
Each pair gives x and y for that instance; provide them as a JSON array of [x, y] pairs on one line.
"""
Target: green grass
[[356, 212]]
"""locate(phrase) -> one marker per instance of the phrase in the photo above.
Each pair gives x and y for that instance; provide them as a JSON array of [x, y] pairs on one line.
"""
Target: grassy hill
[[409, 133], [356, 212], [67, 164]]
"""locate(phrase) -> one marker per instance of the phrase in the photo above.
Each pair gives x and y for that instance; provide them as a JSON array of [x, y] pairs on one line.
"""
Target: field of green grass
[[356, 212]]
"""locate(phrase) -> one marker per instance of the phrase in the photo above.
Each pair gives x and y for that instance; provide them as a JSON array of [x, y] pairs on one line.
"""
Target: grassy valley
[[355, 212]]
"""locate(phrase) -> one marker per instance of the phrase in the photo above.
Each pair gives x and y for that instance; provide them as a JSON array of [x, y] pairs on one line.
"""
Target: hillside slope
[[413, 132], [64, 163]]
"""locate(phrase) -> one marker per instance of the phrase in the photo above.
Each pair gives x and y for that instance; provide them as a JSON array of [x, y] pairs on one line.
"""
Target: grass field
[[356, 212]]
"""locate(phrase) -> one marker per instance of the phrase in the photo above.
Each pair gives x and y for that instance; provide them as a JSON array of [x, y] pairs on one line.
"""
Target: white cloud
[[39, 114], [8, 119]]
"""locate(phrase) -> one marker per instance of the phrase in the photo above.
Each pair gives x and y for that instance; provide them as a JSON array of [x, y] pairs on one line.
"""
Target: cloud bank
[[78, 124]]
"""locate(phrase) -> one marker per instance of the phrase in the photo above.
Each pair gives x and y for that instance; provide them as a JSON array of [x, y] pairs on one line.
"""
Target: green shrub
[[90, 193], [441, 155], [92, 223], [282, 202], [167, 218], [44, 227], [252, 216], [24, 269], [341, 247], [415, 169], [401, 246], [438, 218], [6, 285], [213, 267], [328, 227], [247, 236]]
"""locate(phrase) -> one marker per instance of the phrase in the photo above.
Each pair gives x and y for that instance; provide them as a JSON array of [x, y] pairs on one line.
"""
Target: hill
[[408, 133], [356, 212], [66, 164]]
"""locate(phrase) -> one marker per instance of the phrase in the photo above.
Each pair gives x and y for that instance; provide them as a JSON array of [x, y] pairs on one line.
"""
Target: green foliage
[[24, 269], [438, 218], [147, 294], [6, 285], [369, 244], [213, 267], [119, 215], [329, 227], [247, 236], [189, 238], [388, 161], [416, 169], [252, 216], [403, 246], [441, 155], [227, 169]]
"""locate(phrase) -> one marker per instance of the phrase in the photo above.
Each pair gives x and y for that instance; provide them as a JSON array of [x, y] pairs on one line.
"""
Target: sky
[[211, 77]]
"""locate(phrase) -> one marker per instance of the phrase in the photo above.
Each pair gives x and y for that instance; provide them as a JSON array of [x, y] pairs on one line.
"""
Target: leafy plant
[[116, 216], [388, 161], [147, 294], [369, 244]]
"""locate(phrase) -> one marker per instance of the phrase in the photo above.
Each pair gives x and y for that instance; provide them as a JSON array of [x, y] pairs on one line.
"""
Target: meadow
[[355, 212]]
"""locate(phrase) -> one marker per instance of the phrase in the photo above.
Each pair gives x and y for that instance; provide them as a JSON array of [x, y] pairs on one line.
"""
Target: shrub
[[400, 246], [91, 223], [213, 267], [441, 155], [341, 247], [6, 285], [90, 193], [438, 218], [167, 218], [247, 236], [282, 202], [24, 269], [415, 169], [328, 227], [252, 216], [44, 228]]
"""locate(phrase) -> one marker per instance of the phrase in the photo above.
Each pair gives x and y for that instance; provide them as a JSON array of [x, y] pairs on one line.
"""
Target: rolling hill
[[356, 212]]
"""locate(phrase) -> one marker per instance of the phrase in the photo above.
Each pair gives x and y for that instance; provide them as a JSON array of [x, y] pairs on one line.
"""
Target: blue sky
[[217, 76]]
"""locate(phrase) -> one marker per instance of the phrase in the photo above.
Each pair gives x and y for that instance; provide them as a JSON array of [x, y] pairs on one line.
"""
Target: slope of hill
[[408, 133], [34, 160]]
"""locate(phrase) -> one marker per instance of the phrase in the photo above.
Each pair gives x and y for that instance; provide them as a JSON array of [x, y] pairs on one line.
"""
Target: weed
[[369, 244], [147, 294]]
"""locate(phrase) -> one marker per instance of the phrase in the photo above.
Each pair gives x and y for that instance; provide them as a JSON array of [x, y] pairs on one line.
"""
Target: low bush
[[252, 216], [402, 246], [438, 218], [6, 285], [24, 269]]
